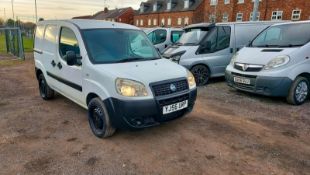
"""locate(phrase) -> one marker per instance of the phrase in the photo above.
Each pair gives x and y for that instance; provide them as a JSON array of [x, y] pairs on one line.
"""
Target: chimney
[[106, 10]]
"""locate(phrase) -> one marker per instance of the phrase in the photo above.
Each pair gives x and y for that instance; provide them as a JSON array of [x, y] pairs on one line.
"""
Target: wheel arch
[[90, 96], [202, 64], [306, 75], [38, 73]]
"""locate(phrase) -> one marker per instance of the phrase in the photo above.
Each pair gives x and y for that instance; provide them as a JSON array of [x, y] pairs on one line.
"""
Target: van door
[[50, 56], [158, 37], [215, 50], [71, 76]]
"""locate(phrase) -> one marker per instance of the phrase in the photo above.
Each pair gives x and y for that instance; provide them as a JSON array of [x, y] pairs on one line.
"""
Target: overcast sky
[[60, 9]]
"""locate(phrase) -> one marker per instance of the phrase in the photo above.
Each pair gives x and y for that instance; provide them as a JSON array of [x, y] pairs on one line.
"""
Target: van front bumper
[[137, 114], [263, 85]]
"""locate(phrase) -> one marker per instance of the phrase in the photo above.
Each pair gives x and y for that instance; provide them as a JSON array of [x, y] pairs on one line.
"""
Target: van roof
[[201, 25], [90, 24], [293, 22]]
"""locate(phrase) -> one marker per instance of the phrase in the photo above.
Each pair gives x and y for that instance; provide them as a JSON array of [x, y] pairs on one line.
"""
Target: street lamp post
[[13, 13], [36, 10]]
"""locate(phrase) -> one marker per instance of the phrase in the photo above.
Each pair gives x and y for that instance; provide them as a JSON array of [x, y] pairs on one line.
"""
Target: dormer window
[[186, 4], [169, 5], [155, 7], [141, 8]]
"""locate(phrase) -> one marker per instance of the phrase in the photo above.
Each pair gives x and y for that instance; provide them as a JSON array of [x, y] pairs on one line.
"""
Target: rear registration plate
[[175, 107], [242, 80]]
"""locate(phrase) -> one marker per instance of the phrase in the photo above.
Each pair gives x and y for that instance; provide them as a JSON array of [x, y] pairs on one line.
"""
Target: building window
[[213, 2], [155, 7], [240, 1], [137, 22], [226, 1], [141, 22], [149, 22], [155, 22], [276, 15], [257, 17], [179, 21], [169, 5], [169, 21], [120, 19], [186, 21], [296, 15], [225, 17], [239, 17], [186, 4], [141, 8], [163, 22], [212, 18]]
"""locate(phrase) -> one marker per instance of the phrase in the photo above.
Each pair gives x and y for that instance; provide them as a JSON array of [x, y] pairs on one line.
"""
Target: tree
[[10, 22], [1, 22]]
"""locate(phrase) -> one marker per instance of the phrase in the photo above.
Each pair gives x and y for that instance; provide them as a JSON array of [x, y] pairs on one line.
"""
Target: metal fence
[[11, 42]]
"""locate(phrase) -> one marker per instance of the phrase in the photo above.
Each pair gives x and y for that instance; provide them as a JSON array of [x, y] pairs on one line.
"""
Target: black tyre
[[299, 91], [201, 74], [45, 91], [99, 119]]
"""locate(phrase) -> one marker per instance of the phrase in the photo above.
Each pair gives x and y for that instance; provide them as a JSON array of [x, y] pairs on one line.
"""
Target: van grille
[[165, 88], [248, 67]]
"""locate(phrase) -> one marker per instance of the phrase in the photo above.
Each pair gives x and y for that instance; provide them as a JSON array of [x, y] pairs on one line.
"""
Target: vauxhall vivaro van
[[206, 49], [276, 63], [114, 71]]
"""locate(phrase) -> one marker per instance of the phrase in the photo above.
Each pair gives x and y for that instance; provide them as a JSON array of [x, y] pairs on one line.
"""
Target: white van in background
[[163, 37], [112, 70], [276, 63], [206, 49]]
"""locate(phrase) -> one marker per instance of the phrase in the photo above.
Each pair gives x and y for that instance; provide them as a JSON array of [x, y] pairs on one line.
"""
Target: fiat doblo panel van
[[276, 63], [113, 71], [206, 49]]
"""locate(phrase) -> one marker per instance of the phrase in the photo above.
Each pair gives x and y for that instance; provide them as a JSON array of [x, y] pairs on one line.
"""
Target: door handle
[[53, 63], [59, 65]]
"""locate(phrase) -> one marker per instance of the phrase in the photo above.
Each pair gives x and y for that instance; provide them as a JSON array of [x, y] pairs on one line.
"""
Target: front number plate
[[175, 107], [242, 80]]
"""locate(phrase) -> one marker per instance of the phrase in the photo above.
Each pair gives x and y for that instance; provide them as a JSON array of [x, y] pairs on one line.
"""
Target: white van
[[163, 37], [276, 63], [114, 71], [206, 49]]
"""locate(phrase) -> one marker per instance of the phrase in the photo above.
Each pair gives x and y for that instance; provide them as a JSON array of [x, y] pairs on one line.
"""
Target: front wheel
[[299, 91], [99, 119], [201, 74]]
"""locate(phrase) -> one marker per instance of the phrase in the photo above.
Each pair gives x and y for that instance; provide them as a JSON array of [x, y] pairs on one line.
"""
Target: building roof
[[176, 6], [83, 17], [90, 24], [107, 14]]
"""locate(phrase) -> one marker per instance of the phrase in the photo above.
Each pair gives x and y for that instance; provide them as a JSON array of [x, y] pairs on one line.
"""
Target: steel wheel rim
[[97, 120], [201, 75], [301, 92]]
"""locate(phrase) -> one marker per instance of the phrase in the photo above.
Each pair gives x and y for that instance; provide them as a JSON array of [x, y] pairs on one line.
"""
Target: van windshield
[[192, 36], [286, 35], [118, 45]]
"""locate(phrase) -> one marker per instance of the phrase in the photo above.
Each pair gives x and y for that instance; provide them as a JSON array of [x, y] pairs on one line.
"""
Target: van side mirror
[[72, 58]]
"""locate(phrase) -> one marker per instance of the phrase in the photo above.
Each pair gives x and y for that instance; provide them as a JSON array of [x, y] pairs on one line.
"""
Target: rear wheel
[[99, 119], [45, 91], [201, 74], [299, 91]]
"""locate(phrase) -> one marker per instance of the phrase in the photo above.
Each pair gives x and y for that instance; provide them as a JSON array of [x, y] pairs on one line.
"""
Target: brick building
[[124, 15], [169, 13], [241, 10], [178, 13]]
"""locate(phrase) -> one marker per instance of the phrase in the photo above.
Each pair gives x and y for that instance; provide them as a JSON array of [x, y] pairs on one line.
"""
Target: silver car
[[206, 49], [276, 63]]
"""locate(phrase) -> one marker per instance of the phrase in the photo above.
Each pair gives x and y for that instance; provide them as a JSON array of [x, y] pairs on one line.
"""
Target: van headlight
[[191, 80], [233, 59], [277, 62], [130, 88]]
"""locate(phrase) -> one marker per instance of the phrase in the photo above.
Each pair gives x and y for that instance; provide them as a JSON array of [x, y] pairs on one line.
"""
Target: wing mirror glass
[[72, 59]]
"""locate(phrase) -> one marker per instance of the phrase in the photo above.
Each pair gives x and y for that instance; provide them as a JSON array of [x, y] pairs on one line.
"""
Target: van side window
[[217, 39], [50, 38], [68, 42], [157, 36], [175, 36], [39, 36]]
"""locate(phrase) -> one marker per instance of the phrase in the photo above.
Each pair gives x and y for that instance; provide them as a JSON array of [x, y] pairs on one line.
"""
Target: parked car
[[112, 70], [276, 63], [206, 49], [163, 37]]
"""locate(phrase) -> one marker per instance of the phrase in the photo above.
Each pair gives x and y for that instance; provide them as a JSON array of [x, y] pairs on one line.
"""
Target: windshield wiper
[[190, 44], [291, 45], [131, 59], [266, 45]]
